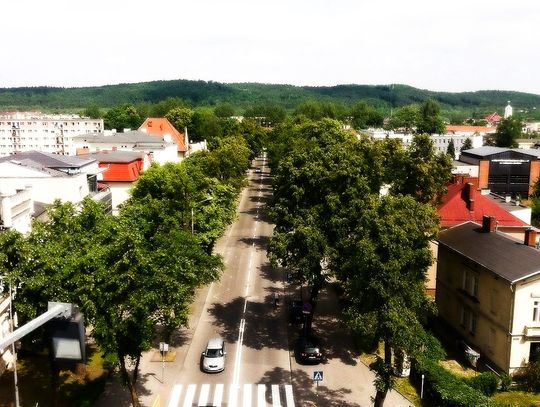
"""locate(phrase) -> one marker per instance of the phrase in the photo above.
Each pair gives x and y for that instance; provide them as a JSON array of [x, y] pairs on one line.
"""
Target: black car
[[308, 350], [295, 312]]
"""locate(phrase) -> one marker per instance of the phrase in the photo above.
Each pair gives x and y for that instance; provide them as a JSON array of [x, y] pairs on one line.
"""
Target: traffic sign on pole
[[318, 375]]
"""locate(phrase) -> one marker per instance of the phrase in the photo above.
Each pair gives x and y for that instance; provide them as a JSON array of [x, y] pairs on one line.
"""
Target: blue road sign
[[318, 375]]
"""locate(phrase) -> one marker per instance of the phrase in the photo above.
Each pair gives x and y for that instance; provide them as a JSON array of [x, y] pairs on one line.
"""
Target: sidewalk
[[347, 381]]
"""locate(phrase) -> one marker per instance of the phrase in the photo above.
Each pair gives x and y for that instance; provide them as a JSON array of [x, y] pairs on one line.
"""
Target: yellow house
[[488, 291]]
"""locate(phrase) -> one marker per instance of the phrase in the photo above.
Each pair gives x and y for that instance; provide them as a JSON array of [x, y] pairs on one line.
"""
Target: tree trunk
[[379, 399], [128, 381], [381, 394]]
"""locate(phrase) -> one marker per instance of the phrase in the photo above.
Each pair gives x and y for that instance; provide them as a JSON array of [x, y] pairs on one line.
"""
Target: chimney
[[530, 237], [469, 196], [489, 223]]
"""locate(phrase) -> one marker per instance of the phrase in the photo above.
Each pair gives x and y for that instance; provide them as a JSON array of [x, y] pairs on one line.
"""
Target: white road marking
[[261, 395], [203, 396], [275, 396], [218, 395], [175, 396], [289, 395], [190, 394], [247, 395], [239, 352], [233, 395]]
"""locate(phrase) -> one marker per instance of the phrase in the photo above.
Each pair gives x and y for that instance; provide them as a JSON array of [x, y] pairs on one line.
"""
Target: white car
[[213, 358]]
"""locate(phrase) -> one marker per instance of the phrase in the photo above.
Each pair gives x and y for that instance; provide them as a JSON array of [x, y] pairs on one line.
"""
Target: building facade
[[26, 131], [488, 291]]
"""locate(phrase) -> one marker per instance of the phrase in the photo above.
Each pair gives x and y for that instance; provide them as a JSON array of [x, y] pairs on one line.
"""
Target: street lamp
[[194, 205]]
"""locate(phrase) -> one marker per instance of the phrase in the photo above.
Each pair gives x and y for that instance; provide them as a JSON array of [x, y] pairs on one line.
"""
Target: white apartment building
[[25, 131]]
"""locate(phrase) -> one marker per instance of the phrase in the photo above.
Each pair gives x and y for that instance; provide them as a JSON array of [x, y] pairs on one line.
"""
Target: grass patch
[[517, 398], [458, 369], [35, 387]]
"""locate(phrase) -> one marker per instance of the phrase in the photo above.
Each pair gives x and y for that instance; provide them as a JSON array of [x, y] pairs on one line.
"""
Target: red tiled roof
[[454, 209], [470, 129], [160, 126], [493, 117]]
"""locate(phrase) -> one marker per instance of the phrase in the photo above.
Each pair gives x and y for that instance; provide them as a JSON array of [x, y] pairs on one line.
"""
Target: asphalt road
[[260, 368]]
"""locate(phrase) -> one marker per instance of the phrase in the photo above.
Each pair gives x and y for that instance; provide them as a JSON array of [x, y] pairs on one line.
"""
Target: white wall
[[526, 293], [120, 193], [71, 188], [16, 208]]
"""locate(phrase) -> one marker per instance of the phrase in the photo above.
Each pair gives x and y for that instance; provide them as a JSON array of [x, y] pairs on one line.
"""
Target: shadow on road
[[263, 323]]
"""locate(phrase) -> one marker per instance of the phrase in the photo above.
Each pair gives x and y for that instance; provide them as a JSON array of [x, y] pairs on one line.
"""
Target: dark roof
[[506, 257], [486, 151], [132, 136], [117, 156], [48, 160]]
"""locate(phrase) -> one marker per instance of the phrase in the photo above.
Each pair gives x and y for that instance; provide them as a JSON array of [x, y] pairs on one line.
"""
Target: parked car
[[295, 312], [213, 357], [308, 350]]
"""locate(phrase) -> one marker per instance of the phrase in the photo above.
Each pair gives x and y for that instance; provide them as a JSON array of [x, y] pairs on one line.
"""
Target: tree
[[420, 171], [429, 120], [126, 277], [467, 144], [205, 126], [404, 118], [451, 150], [364, 116], [382, 261], [93, 112], [122, 117], [508, 131], [224, 110], [323, 169], [160, 109], [180, 117]]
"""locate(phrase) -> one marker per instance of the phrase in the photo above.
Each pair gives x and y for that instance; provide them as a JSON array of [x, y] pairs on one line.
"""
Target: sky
[[440, 45]]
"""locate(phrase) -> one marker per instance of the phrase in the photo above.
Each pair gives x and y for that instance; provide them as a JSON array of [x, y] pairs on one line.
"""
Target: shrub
[[446, 389], [530, 377], [486, 382], [432, 348], [506, 381]]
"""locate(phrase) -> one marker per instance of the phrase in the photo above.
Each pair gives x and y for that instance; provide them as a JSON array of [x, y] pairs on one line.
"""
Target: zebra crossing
[[234, 395]]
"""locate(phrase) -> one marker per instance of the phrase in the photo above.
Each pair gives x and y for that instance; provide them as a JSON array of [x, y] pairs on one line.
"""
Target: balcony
[[531, 331]]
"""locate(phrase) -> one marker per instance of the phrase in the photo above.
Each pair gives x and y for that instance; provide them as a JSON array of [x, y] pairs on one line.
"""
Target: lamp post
[[193, 207]]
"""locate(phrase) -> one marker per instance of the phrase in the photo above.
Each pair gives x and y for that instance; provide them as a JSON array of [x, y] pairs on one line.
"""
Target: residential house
[[162, 128], [488, 292], [159, 150], [493, 119], [122, 169], [51, 177], [463, 202], [27, 131]]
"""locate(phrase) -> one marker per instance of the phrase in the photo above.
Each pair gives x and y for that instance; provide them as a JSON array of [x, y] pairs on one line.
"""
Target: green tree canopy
[[180, 117], [508, 131], [429, 120], [123, 117], [405, 118]]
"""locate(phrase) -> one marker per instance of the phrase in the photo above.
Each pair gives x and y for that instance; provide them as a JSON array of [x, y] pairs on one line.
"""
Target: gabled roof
[[160, 126], [454, 210], [493, 117], [48, 160], [506, 257]]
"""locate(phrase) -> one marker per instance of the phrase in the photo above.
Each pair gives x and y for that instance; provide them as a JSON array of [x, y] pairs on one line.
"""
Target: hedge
[[447, 390]]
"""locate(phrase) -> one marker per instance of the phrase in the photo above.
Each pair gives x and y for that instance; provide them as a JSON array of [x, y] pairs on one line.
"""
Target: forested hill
[[242, 95]]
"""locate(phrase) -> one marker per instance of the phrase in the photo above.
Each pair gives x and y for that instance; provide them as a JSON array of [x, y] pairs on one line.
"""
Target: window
[[536, 311], [470, 283], [468, 320]]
